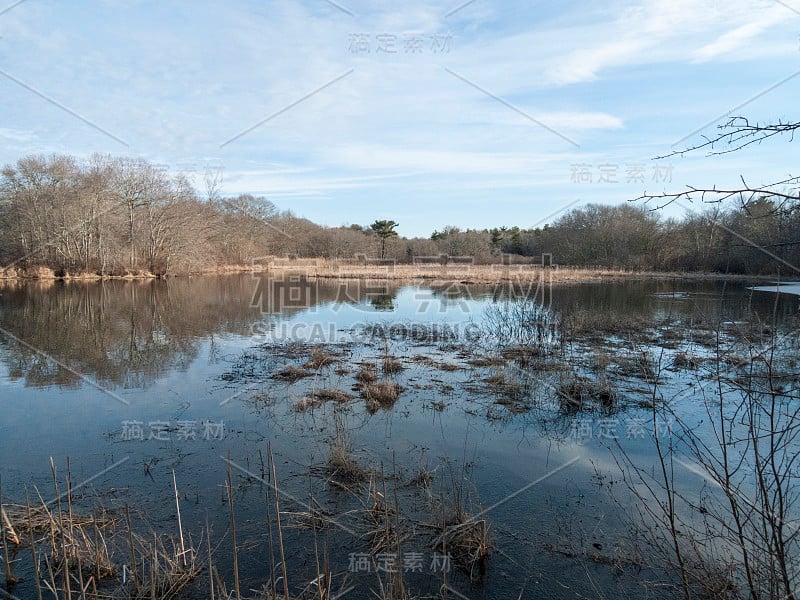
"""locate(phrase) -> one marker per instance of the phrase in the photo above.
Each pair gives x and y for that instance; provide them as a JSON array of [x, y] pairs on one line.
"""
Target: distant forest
[[113, 216]]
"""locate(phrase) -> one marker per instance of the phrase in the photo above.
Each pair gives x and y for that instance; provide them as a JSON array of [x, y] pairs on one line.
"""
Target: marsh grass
[[367, 374], [292, 373], [381, 394], [577, 393], [459, 529], [74, 556], [485, 361], [319, 358], [341, 468], [448, 366], [382, 518], [686, 360], [332, 394], [639, 365], [391, 365]]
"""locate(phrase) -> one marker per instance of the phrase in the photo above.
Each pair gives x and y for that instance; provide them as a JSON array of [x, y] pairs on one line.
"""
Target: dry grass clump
[[734, 360], [342, 468], [423, 359], [319, 358], [508, 385], [336, 395], [367, 374], [686, 360], [523, 355], [639, 365], [73, 553], [381, 394], [291, 374], [381, 517], [164, 568], [467, 541], [601, 360], [579, 393], [306, 403], [438, 405], [463, 536], [497, 379], [485, 361], [315, 518], [75, 542], [318, 397], [448, 366], [594, 324], [513, 405], [391, 365]]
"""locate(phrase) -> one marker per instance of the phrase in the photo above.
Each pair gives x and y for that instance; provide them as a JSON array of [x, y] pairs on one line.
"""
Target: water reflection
[[130, 333]]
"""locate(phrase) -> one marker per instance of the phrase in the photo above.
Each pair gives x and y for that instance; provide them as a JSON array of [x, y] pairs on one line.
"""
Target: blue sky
[[428, 115]]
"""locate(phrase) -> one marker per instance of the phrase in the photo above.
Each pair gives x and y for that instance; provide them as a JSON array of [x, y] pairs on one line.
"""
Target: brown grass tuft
[[392, 365], [319, 358], [579, 393], [291, 374], [381, 394]]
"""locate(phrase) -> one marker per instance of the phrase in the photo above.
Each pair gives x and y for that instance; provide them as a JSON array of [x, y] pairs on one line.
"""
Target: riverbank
[[463, 273]]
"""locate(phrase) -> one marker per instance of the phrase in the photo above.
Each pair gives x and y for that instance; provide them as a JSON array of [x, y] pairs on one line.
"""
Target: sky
[[474, 114]]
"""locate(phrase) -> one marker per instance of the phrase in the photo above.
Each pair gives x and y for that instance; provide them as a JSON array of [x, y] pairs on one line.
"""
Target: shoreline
[[462, 274]]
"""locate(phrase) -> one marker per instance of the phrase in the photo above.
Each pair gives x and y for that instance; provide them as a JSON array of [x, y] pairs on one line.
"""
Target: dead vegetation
[[381, 394], [578, 393], [458, 530], [291, 374], [332, 394], [392, 366], [74, 555], [342, 469], [319, 358], [639, 365], [686, 360], [367, 374]]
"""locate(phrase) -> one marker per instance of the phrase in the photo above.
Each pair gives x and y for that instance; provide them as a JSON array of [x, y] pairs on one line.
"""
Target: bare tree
[[736, 134]]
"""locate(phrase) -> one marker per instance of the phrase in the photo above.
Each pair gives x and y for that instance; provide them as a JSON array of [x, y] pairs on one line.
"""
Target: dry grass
[[342, 468], [306, 403], [734, 360], [639, 365], [319, 397], [508, 386], [580, 393], [367, 374], [459, 533], [76, 542], [485, 361], [291, 374], [448, 366], [332, 394], [381, 394], [383, 534], [74, 553], [686, 360], [319, 358], [438, 405], [391, 366], [470, 273]]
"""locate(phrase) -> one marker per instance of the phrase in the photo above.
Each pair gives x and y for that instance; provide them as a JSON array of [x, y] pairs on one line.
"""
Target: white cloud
[[739, 36]]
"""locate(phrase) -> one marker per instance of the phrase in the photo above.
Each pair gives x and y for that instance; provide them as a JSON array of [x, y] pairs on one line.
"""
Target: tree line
[[113, 216]]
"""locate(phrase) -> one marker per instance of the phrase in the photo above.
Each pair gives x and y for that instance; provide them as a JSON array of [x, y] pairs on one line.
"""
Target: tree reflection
[[120, 333]]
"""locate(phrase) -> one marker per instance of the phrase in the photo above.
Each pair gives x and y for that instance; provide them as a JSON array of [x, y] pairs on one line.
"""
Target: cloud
[[737, 37]]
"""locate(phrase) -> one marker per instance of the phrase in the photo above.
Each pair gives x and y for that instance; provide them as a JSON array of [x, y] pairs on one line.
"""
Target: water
[[87, 369]]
